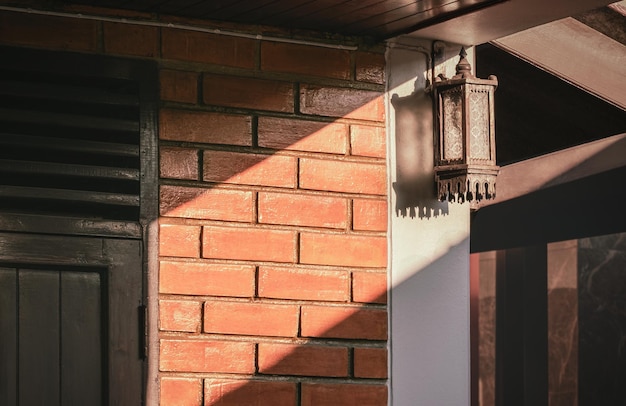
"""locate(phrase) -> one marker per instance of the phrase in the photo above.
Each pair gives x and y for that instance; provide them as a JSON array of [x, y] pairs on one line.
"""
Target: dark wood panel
[[22, 248], [64, 144], [81, 338], [39, 376], [68, 225], [8, 336], [125, 293]]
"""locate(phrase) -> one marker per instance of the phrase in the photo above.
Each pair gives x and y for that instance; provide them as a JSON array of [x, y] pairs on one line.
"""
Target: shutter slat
[[66, 144], [60, 92], [68, 120], [9, 165], [24, 192]]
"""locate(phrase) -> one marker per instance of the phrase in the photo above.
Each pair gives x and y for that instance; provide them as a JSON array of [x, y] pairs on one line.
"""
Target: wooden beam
[[559, 167]]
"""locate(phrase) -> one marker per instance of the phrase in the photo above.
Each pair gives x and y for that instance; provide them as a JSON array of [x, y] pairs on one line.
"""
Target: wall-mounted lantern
[[465, 143]]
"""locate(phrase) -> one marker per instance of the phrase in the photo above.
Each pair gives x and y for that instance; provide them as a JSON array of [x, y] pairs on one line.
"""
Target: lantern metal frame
[[465, 148]]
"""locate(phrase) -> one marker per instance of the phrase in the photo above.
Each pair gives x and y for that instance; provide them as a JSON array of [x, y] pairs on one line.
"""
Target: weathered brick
[[368, 287], [370, 363], [249, 93], [305, 60], [343, 395], [369, 215], [179, 241], [185, 278], [209, 204], [303, 360], [179, 315], [257, 319], [343, 250], [249, 169], [342, 102], [303, 284], [301, 135], [181, 391], [207, 48], [249, 244], [344, 322], [179, 86], [340, 176], [130, 39], [223, 392], [207, 356], [178, 163], [368, 141], [48, 31], [302, 210], [370, 67], [205, 127]]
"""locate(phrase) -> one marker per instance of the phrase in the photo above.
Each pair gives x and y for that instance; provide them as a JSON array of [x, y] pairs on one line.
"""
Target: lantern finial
[[463, 68]]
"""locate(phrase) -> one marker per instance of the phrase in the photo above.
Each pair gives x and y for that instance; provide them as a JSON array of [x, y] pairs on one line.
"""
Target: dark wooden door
[[77, 209], [69, 321]]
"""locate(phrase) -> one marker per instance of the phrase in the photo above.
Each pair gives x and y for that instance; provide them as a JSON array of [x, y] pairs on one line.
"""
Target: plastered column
[[429, 272]]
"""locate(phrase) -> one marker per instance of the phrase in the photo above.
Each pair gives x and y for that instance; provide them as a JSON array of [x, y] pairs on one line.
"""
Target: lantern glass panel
[[480, 145], [452, 104]]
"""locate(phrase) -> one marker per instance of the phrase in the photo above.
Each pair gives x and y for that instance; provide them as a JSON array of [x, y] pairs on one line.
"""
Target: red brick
[[343, 250], [369, 287], [207, 356], [249, 244], [48, 31], [258, 319], [185, 278], [179, 241], [369, 215], [370, 67], [303, 360], [130, 39], [223, 392], [305, 60], [301, 135], [249, 169], [179, 315], [179, 86], [343, 395], [370, 363], [207, 48], [178, 163], [303, 284], [340, 176], [342, 102], [209, 204], [344, 322], [181, 392], [205, 127], [303, 210], [249, 93], [368, 141]]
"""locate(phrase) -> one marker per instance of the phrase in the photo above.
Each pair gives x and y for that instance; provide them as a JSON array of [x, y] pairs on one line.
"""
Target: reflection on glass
[[563, 323]]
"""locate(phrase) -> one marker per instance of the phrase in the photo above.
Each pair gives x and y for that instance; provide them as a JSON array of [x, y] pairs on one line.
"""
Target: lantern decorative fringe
[[465, 148]]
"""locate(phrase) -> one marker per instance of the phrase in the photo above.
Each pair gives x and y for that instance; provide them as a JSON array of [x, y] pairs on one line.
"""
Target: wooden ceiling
[[379, 19]]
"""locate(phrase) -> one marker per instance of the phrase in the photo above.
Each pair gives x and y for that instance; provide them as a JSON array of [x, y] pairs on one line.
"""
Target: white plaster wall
[[429, 246]]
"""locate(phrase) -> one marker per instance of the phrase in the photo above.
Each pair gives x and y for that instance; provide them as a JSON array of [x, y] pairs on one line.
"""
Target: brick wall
[[273, 212]]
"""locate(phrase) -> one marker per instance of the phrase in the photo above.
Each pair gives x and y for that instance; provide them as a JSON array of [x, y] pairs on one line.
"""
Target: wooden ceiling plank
[[401, 13], [293, 16]]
